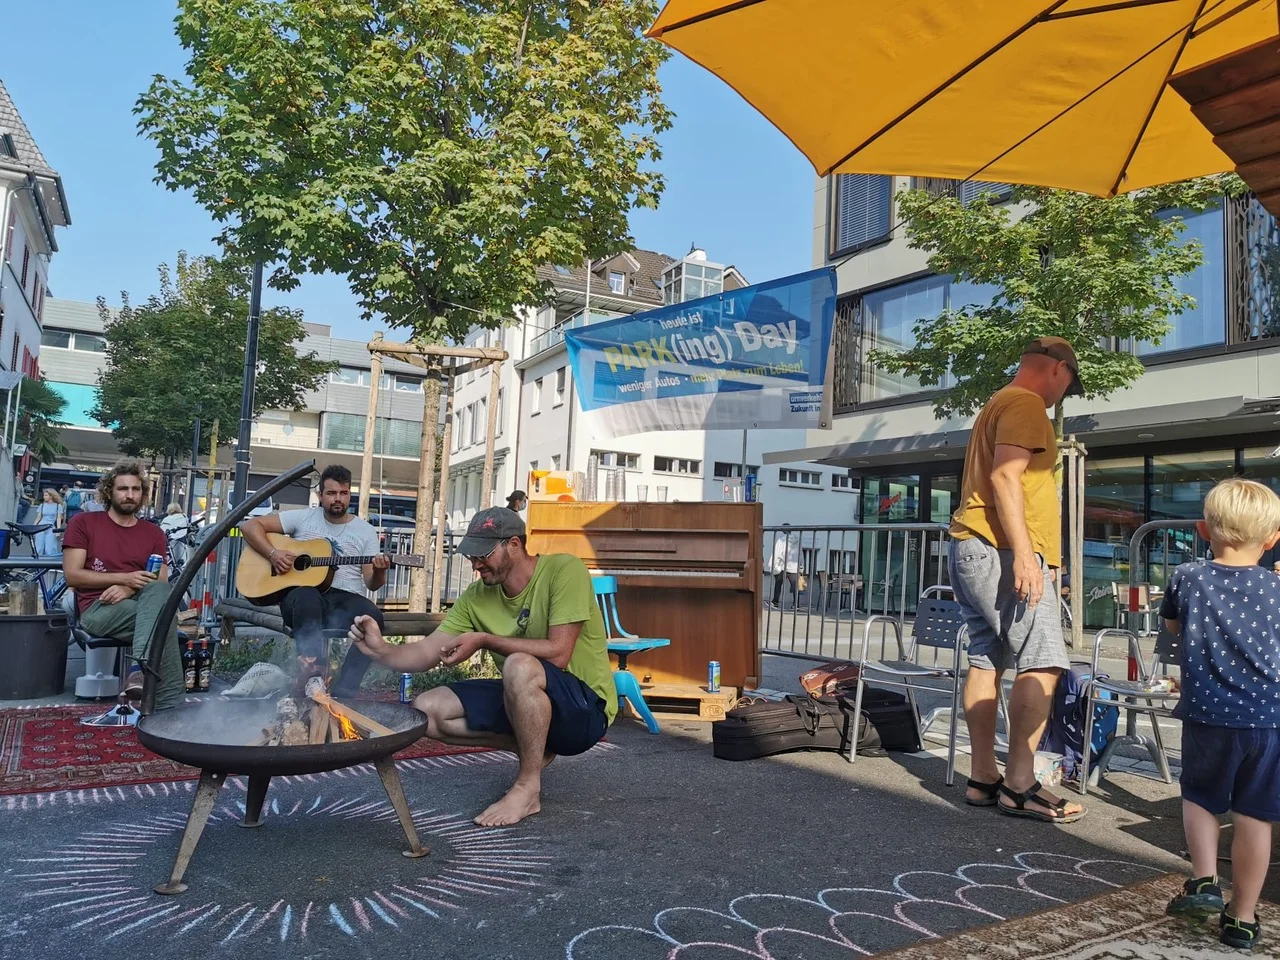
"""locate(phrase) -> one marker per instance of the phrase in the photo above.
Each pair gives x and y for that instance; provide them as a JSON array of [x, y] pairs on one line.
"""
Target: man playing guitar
[[308, 611]]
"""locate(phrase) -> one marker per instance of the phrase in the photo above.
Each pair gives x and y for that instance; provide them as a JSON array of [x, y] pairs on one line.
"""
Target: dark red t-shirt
[[111, 548]]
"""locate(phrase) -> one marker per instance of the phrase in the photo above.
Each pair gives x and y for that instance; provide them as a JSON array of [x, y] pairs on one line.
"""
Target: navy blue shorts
[[1228, 769], [578, 720]]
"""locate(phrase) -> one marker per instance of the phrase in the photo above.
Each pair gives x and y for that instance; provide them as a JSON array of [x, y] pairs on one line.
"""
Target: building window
[[479, 420], [1203, 324], [60, 339], [502, 411], [407, 384], [13, 360], [394, 438], [26, 262], [804, 478], [351, 376], [460, 429], [732, 471], [89, 343], [692, 468], [533, 466], [8, 237], [861, 211], [560, 383], [555, 461], [617, 282], [971, 190], [537, 397], [617, 458], [841, 481]]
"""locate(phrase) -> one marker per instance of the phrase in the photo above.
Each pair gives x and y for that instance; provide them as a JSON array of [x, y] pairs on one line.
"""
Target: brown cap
[[1059, 349]]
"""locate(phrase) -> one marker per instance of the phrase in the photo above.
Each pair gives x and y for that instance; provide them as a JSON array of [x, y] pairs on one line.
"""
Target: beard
[[335, 510], [125, 507]]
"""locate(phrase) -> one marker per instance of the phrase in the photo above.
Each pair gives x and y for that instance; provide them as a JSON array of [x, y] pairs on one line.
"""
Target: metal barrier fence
[[867, 568]]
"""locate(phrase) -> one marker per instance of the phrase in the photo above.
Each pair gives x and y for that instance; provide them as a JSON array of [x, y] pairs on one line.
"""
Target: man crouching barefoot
[[539, 617]]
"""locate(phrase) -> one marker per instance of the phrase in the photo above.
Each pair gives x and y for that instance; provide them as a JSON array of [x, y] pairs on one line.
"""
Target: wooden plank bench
[[234, 611]]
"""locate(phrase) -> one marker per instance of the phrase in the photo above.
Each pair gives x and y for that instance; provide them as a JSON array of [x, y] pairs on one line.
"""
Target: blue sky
[[735, 186]]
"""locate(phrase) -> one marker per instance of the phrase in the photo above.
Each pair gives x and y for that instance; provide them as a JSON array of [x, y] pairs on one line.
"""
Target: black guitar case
[[805, 723]]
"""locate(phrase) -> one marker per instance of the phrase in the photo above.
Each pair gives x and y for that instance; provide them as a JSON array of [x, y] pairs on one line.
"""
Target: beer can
[[749, 489], [713, 676], [406, 685], [154, 563]]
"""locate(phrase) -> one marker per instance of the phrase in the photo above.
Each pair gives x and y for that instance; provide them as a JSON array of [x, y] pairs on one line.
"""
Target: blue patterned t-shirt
[[1230, 655]]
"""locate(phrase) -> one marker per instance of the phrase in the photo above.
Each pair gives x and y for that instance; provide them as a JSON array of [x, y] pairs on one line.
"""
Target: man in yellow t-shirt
[[539, 617], [1006, 542]]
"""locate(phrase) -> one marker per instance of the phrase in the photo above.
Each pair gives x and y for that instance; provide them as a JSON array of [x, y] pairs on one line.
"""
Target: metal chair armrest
[[866, 633]]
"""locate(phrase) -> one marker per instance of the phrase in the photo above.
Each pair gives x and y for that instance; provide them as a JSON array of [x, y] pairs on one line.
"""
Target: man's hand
[[1028, 578], [116, 593], [382, 562], [135, 581], [464, 645], [366, 635], [282, 561]]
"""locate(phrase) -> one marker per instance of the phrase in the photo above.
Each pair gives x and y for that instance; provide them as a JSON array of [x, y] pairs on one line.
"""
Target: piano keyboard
[[663, 572]]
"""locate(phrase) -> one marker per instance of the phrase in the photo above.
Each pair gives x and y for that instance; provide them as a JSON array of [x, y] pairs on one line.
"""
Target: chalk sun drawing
[[101, 881], [842, 923]]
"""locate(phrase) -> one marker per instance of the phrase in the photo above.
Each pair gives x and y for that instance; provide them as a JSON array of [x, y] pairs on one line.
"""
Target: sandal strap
[[988, 789], [1020, 799]]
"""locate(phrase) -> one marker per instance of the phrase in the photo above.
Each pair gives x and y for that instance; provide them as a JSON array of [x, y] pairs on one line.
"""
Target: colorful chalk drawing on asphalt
[[100, 882], [841, 923]]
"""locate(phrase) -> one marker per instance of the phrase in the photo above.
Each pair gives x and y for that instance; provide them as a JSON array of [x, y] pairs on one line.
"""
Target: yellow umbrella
[[1073, 94]]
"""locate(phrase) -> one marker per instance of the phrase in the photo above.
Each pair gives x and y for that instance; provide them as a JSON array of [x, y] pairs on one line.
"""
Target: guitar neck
[[343, 561]]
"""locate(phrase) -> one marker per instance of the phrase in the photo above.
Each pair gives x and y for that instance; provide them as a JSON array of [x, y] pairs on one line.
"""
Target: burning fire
[[345, 726]]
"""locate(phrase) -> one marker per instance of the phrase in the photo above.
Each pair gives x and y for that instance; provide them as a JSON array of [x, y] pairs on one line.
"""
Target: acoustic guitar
[[314, 566]]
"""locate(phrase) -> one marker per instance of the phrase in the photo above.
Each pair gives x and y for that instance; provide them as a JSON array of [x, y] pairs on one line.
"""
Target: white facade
[[32, 207], [541, 426]]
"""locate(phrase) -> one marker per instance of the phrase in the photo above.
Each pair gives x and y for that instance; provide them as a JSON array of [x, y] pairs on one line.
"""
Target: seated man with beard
[[104, 559]]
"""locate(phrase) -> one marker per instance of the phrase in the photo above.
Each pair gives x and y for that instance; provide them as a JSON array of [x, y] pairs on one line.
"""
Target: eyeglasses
[[487, 555]]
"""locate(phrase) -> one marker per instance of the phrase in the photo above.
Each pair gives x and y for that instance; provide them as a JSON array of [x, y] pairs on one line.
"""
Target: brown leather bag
[[830, 679]]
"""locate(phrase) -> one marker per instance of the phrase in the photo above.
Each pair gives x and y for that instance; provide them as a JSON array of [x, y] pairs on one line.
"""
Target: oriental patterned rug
[[46, 748]]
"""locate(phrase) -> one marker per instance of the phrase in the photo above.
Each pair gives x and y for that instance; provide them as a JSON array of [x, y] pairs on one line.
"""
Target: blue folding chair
[[624, 644]]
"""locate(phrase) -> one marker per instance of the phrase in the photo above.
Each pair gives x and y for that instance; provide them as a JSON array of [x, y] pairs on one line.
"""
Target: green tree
[[40, 420], [180, 355], [1092, 270], [432, 152]]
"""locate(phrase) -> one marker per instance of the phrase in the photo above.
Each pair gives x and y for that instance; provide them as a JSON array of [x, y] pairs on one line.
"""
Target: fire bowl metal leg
[[395, 793], [253, 801], [201, 807]]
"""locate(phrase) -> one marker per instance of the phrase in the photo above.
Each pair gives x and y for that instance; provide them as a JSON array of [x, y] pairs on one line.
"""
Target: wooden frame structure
[[441, 363]]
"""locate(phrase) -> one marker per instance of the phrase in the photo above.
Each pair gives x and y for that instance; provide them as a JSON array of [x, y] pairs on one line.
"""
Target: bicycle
[[53, 585]]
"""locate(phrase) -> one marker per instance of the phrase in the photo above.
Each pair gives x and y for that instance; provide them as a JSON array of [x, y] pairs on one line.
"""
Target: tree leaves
[[1095, 271], [180, 355], [433, 152], [39, 420]]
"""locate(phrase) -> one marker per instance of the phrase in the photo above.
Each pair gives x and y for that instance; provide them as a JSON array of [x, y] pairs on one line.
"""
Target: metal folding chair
[[939, 625], [1125, 695]]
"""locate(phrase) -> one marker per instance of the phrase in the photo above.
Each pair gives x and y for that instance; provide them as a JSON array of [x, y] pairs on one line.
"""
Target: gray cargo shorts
[[1003, 632]]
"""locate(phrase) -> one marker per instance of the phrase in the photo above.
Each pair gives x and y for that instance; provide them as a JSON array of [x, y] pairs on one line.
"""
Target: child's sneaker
[[1236, 933], [1200, 899]]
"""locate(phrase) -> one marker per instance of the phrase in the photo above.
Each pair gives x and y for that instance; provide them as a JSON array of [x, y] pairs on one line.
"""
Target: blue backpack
[[1065, 731], [73, 499]]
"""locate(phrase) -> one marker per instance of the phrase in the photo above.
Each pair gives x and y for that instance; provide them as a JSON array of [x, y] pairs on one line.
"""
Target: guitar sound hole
[[302, 563]]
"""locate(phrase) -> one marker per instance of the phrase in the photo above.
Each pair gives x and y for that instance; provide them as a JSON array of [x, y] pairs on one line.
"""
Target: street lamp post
[[241, 489]]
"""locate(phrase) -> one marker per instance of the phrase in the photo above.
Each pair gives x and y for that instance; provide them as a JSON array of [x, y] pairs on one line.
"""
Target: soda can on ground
[[406, 685], [154, 563], [713, 676]]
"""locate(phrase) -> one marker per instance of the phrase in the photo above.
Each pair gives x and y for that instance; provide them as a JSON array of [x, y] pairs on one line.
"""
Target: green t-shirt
[[559, 592]]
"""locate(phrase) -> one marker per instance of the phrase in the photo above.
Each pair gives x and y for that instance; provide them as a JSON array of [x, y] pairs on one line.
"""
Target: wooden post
[[495, 384], [438, 565], [425, 515], [370, 428], [24, 599]]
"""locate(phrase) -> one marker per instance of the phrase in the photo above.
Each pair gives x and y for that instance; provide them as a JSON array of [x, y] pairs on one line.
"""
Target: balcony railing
[[555, 336]]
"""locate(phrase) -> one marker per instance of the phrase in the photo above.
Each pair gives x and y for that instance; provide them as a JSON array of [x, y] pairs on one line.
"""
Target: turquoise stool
[[624, 644]]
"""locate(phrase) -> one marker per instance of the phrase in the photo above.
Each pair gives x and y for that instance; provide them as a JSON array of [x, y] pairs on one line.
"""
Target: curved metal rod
[[151, 668]]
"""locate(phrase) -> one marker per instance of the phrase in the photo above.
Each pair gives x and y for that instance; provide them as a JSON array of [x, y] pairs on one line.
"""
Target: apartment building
[[33, 205], [540, 426], [330, 427], [1207, 406]]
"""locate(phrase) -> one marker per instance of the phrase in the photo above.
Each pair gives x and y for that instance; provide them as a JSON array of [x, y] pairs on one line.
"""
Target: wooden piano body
[[687, 571]]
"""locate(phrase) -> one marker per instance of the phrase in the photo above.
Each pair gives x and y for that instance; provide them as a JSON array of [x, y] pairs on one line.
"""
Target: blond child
[[1228, 613]]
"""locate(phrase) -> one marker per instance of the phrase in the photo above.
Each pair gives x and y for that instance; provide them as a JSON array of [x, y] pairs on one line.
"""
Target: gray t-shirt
[[355, 538]]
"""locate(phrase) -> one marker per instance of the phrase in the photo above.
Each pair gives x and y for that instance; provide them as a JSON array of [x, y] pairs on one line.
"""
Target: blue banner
[[756, 358]]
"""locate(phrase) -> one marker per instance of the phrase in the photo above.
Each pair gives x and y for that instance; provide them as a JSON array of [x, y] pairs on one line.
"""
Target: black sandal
[[1019, 809], [989, 792]]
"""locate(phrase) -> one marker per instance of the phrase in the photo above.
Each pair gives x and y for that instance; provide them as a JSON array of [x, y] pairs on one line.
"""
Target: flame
[[345, 726]]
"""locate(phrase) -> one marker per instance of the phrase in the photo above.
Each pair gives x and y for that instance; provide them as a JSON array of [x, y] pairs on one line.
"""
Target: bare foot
[[516, 804]]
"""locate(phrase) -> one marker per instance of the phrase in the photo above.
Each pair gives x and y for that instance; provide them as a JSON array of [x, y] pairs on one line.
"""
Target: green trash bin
[[34, 652]]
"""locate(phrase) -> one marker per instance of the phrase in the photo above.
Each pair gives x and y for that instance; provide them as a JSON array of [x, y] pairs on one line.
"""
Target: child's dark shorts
[[1229, 769]]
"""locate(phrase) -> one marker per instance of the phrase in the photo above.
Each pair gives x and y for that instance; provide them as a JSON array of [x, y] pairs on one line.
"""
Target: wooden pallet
[[686, 700]]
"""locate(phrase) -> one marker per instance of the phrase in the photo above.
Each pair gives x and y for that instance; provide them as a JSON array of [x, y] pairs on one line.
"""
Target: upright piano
[[687, 571]]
